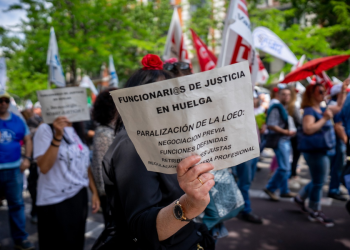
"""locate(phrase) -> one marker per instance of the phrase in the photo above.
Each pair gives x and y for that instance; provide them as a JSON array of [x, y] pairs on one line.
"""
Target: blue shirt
[[17, 163], [318, 116], [344, 115]]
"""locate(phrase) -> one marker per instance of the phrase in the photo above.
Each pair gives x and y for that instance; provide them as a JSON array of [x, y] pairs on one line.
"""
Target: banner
[[237, 44], [206, 58], [175, 44], [114, 77], [53, 60], [269, 42], [87, 83], [69, 102], [263, 75], [209, 114], [3, 76]]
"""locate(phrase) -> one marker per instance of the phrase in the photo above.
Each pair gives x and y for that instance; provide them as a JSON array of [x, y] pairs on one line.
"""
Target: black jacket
[[136, 196]]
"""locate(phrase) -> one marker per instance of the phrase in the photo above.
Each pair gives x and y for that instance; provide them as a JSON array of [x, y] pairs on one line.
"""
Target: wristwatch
[[179, 212]]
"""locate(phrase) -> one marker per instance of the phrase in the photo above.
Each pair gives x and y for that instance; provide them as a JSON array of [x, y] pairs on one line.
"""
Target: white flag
[[87, 83], [269, 42], [53, 60], [237, 43], [114, 77], [281, 77], [175, 44], [2, 73], [299, 64]]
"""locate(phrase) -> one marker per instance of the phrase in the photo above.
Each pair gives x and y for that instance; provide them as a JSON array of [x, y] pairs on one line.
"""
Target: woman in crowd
[[63, 159], [153, 210], [104, 113], [316, 119]]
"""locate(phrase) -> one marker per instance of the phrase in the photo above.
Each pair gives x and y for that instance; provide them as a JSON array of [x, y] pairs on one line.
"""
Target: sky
[[11, 18]]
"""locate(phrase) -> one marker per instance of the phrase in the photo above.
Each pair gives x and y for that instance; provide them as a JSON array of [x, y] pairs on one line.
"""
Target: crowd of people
[[148, 210]]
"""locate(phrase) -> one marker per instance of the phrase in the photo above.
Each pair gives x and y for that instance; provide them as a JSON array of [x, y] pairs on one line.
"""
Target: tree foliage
[[87, 31]]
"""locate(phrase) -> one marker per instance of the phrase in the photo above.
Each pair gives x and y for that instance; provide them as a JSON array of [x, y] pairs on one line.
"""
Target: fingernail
[[198, 157]]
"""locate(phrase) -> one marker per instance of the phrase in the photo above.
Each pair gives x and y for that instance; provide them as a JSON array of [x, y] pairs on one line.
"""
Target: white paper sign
[[208, 114], [69, 102]]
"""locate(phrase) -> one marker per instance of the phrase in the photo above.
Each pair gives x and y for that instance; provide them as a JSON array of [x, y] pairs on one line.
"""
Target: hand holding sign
[[209, 114], [196, 182], [59, 124]]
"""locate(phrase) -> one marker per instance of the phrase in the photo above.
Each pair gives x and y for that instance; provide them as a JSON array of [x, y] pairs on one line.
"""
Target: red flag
[[206, 58]]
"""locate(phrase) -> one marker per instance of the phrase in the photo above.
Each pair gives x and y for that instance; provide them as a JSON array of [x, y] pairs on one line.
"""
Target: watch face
[[178, 212]]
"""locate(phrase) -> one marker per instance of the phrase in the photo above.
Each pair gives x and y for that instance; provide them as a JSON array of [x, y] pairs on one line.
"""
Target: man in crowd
[[279, 124], [13, 130], [337, 160], [245, 174], [343, 131]]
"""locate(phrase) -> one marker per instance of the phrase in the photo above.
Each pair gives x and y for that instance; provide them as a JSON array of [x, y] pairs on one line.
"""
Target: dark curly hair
[[104, 110], [141, 77]]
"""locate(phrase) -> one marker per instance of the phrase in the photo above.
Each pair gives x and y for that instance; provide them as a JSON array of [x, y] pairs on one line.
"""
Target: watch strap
[[177, 202]]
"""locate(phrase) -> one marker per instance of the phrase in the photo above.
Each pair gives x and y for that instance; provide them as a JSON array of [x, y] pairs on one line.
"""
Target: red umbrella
[[314, 67]]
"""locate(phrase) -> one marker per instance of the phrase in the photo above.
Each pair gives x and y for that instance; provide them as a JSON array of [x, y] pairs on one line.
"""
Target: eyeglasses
[[4, 100], [177, 65]]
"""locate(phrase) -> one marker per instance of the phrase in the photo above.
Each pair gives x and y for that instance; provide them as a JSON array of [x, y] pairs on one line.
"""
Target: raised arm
[[46, 161], [310, 126], [341, 98], [195, 199]]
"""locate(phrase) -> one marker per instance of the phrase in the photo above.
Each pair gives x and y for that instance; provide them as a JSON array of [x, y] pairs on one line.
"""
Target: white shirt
[[69, 173]]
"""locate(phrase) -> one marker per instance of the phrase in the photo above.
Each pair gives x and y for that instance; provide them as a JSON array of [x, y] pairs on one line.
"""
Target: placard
[[209, 114], [69, 102]]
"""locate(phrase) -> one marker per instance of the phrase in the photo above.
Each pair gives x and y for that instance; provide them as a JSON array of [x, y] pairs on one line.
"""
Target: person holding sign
[[153, 210], [62, 199]]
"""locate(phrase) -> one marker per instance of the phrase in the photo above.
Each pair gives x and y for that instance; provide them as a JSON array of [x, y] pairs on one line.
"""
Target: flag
[[53, 60], [175, 44], [3, 77], [269, 42], [237, 42], [262, 75], [299, 63], [206, 58], [324, 79], [114, 77], [87, 83]]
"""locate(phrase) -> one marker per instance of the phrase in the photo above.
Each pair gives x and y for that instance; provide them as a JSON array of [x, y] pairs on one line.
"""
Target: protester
[[33, 123], [316, 119], [338, 160], [343, 131], [12, 131], [153, 210], [246, 171], [294, 112], [104, 113], [63, 160], [177, 68], [280, 131]]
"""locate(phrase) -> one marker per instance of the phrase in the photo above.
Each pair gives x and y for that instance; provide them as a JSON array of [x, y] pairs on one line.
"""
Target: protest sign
[[208, 114], [69, 102]]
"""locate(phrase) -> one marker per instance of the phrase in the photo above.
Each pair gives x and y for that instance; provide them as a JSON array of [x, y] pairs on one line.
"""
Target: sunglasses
[[177, 65], [4, 100]]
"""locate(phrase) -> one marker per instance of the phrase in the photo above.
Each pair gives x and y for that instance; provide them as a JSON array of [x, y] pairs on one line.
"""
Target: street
[[284, 228]]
